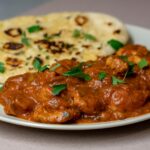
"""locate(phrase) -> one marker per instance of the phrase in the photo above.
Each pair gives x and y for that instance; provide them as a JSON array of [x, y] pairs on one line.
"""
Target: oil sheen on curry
[[111, 88]]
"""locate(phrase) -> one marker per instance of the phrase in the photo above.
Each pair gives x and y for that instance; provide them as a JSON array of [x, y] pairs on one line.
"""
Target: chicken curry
[[110, 88]]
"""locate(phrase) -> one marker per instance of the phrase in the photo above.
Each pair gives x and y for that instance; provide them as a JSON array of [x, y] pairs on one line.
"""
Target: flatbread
[[57, 39]]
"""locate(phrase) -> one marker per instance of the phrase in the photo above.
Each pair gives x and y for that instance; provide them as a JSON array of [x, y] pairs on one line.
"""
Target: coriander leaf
[[143, 63], [25, 40], [130, 64], [102, 75], [73, 71], [55, 67], [83, 76], [34, 28], [131, 69], [1, 86], [77, 72], [116, 81], [2, 67], [124, 58], [42, 68], [47, 37], [89, 37], [76, 33], [115, 44], [56, 89], [37, 65], [87, 77]]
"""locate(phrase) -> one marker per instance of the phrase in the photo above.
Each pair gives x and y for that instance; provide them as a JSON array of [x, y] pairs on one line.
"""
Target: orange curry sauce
[[117, 87]]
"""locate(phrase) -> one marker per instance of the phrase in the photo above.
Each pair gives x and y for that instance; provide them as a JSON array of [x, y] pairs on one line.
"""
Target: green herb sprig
[[77, 72], [116, 81], [34, 28], [143, 63], [48, 37], [37, 65], [1, 86], [80, 34], [2, 67], [115, 44], [102, 75], [131, 65], [57, 89], [25, 40], [76, 33], [89, 37], [55, 67]]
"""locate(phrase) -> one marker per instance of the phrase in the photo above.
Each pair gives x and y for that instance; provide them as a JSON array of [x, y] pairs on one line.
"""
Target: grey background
[[9, 8], [130, 11], [133, 137]]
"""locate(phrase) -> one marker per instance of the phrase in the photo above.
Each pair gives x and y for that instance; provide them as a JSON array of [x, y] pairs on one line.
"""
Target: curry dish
[[110, 88]]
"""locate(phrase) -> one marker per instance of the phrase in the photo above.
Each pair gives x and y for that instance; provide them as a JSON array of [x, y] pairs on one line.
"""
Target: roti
[[56, 36]]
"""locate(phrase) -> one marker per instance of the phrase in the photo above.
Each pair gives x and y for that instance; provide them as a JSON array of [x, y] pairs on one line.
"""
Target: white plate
[[138, 35]]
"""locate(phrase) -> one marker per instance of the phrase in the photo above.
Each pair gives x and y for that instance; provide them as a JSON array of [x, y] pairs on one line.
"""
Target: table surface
[[133, 137]]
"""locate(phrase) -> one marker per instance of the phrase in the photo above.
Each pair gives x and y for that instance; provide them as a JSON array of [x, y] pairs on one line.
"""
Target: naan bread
[[70, 35]]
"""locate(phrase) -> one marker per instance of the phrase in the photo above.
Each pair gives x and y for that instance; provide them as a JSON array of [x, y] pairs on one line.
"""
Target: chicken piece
[[122, 99], [20, 105], [116, 64], [86, 100], [54, 116], [129, 50], [33, 98], [134, 53]]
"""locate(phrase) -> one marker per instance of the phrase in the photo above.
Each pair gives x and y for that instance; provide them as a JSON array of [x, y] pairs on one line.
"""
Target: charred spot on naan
[[13, 32], [109, 23], [13, 46], [54, 46], [42, 44], [48, 37], [118, 31], [81, 20], [13, 62], [59, 47]]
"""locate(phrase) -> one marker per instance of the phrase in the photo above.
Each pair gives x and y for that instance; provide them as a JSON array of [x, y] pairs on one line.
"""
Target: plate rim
[[89, 126]]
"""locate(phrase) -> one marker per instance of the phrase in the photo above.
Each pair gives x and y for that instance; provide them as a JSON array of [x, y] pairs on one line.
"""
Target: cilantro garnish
[[115, 44], [37, 65], [76, 33], [80, 34], [89, 37], [143, 63], [102, 75], [2, 67], [77, 72], [1, 86], [48, 37], [124, 58], [34, 28], [25, 40], [130, 64], [57, 89], [55, 67], [116, 81]]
